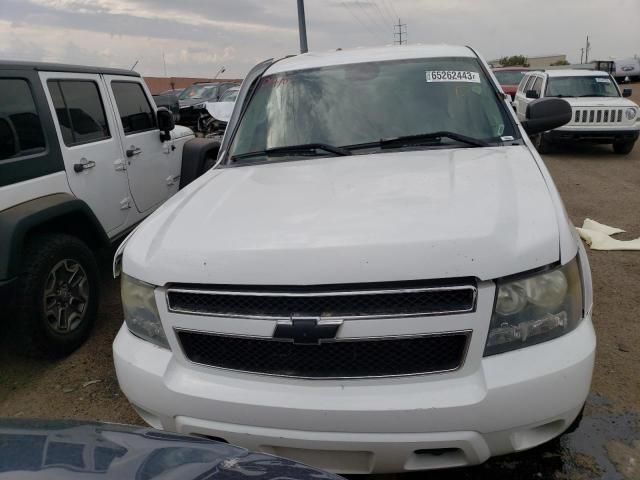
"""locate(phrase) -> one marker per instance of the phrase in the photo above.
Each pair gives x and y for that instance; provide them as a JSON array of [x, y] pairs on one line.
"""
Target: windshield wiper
[[303, 148], [421, 138], [594, 95]]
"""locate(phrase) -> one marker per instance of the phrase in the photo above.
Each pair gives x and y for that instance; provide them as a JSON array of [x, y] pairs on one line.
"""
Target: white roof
[[362, 55], [576, 73]]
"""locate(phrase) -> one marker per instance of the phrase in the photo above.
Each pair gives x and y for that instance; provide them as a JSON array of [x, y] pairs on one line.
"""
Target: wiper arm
[[422, 137], [302, 148], [596, 95]]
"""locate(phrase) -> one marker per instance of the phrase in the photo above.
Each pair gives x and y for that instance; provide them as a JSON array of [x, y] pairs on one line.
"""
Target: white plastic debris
[[598, 237]]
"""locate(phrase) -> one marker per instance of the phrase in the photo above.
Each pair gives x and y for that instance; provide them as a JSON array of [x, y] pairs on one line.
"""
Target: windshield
[[199, 92], [230, 95], [581, 87], [509, 77], [359, 103]]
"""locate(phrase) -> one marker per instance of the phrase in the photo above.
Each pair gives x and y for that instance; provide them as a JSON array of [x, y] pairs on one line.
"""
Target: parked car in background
[[214, 116], [170, 102], [372, 278], [174, 91], [509, 78], [194, 98], [70, 450], [85, 155], [600, 113]]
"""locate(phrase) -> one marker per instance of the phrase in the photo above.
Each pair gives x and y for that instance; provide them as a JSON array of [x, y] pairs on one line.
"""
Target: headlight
[[140, 311], [630, 113], [535, 309]]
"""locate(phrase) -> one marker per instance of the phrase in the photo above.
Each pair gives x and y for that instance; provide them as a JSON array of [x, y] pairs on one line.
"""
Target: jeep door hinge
[[120, 165], [125, 203]]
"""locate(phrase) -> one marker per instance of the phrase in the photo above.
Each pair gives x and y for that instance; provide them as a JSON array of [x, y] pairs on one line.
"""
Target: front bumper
[[500, 404], [593, 135]]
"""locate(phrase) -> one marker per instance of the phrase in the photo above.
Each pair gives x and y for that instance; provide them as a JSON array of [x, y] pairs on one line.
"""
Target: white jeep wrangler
[[84, 157], [600, 113]]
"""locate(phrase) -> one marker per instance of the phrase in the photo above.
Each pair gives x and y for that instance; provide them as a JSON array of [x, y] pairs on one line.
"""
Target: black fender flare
[[16, 222], [194, 158]]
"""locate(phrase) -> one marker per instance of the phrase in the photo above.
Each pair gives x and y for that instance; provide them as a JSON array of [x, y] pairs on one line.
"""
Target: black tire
[[623, 148], [542, 143], [575, 424], [40, 297]]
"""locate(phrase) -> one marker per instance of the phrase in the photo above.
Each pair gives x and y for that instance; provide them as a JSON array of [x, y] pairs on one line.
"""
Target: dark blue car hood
[[52, 450]]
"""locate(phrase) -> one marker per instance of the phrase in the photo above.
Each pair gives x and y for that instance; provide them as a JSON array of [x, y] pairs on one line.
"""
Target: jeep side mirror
[[532, 94], [166, 123], [627, 92], [546, 114]]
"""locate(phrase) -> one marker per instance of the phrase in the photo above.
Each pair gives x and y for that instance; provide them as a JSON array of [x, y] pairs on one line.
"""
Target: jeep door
[[90, 144], [148, 158]]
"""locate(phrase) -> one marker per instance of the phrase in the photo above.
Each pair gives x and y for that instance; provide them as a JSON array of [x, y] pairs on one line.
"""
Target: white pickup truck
[[84, 157]]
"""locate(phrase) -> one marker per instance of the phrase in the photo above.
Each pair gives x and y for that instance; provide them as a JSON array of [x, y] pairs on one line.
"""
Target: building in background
[[541, 61], [158, 85]]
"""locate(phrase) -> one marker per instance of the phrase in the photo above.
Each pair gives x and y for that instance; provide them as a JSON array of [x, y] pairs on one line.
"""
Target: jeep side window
[[530, 83], [537, 86], [21, 132], [134, 107], [79, 110]]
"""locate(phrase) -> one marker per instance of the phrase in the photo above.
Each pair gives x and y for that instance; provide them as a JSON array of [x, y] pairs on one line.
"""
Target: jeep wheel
[[623, 148], [57, 295], [541, 143]]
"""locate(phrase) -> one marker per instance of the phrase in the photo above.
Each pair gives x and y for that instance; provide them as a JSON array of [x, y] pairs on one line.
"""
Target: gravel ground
[[594, 183]]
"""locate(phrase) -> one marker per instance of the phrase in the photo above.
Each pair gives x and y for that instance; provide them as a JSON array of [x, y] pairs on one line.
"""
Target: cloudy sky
[[197, 37]]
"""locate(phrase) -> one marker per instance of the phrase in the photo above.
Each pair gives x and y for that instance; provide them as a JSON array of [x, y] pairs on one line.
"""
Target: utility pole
[[582, 55], [302, 27], [586, 51], [400, 33]]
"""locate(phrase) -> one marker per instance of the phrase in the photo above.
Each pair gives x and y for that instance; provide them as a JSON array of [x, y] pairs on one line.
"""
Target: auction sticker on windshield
[[452, 76]]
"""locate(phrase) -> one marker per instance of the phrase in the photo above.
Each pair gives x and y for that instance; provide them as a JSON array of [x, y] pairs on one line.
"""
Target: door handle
[[83, 165], [133, 151]]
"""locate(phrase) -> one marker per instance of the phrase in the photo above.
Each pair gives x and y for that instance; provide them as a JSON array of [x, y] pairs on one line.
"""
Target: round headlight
[[548, 290], [511, 298], [630, 113]]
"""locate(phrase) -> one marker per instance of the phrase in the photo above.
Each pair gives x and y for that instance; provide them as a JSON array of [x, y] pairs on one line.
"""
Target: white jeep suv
[[601, 114], [377, 276]]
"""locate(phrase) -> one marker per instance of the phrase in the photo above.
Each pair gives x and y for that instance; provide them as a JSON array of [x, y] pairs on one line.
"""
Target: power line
[[393, 8], [353, 14], [369, 14], [382, 15], [388, 11], [400, 33]]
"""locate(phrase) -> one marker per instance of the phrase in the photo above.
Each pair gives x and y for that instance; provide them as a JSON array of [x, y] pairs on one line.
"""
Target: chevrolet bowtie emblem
[[307, 331]]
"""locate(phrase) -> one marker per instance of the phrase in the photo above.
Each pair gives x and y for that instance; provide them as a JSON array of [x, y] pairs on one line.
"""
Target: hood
[[428, 214], [67, 450], [620, 102], [220, 110], [180, 131], [188, 102]]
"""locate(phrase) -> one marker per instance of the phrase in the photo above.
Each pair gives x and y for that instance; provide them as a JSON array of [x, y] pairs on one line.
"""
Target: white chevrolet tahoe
[[84, 157], [601, 114], [378, 275]]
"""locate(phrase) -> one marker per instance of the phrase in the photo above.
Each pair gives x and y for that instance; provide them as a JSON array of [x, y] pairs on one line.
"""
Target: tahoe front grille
[[330, 359], [361, 301]]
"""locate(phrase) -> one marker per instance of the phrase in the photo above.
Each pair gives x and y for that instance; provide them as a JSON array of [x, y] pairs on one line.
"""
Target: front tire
[[541, 143], [623, 148], [57, 295]]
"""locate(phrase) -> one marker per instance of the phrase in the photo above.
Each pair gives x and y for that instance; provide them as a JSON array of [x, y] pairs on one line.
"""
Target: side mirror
[[166, 123], [546, 114], [627, 92], [532, 94]]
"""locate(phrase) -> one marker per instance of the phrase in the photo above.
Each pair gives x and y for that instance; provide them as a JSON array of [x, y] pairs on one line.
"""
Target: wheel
[[623, 148], [57, 295], [542, 143], [575, 424]]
